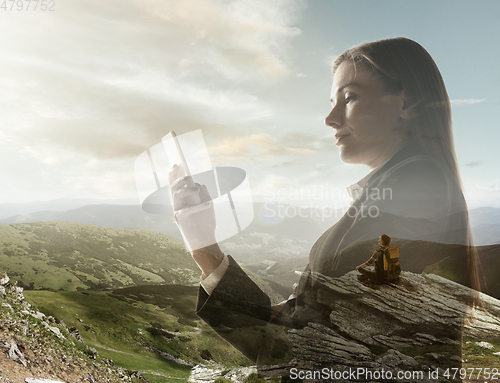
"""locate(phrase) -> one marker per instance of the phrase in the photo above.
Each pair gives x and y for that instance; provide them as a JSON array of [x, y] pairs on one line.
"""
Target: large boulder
[[414, 327]]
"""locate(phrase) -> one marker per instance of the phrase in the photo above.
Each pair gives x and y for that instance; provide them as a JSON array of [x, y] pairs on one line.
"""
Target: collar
[[355, 190], [410, 150]]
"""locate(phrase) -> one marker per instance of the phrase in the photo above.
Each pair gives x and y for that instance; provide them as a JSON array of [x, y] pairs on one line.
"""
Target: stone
[[203, 374], [4, 279], [37, 380], [92, 352], [14, 353], [395, 358], [38, 315], [17, 292], [457, 358], [422, 311], [138, 375], [73, 331], [238, 375], [54, 330], [484, 345], [2, 291]]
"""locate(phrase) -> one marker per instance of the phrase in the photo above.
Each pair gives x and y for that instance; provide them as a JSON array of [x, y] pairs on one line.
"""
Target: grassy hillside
[[70, 256], [130, 325]]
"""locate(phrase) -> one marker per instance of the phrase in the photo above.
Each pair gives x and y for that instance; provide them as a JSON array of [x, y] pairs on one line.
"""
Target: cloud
[[254, 148], [470, 101], [494, 186], [109, 79], [475, 164]]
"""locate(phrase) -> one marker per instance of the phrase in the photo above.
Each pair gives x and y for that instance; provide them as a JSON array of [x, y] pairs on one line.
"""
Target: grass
[[71, 256], [477, 357], [122, 324]]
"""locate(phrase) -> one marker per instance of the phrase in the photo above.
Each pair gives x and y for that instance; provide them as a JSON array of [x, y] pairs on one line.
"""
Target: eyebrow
[[351, 83]]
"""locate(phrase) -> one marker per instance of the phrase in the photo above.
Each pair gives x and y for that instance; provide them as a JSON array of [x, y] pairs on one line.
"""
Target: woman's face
[[368, 122]]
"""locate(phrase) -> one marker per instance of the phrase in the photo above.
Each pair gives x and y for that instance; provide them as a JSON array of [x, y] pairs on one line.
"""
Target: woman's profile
[[390, 112]]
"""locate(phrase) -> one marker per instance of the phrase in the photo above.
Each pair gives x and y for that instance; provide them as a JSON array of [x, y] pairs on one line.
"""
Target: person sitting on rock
[[386, 270]]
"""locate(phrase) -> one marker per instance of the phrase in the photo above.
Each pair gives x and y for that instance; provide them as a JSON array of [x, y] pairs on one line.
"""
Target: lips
[[339, 137]]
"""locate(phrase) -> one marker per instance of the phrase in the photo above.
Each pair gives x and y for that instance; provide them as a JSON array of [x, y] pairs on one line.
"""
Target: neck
[[387, 151]]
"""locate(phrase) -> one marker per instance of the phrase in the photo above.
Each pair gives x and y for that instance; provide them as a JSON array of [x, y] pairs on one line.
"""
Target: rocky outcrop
[[203, 374], [414, 326], [39, 347]]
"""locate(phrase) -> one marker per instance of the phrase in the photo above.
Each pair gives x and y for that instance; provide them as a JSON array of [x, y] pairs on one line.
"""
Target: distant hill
[[116, 216], [484, 216], [486, 234], [278, 230], [9, 209]]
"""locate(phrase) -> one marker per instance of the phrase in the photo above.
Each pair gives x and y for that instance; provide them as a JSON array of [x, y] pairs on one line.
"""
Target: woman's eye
[[349, 98]]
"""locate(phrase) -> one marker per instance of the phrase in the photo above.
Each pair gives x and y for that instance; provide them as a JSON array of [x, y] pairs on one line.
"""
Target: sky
[[89, 86]]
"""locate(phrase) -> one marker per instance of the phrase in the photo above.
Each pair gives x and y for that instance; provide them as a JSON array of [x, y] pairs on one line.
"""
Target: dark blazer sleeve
[[239, 311]]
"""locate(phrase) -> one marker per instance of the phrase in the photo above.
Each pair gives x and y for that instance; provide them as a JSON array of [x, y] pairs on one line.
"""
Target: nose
[[335, 118]]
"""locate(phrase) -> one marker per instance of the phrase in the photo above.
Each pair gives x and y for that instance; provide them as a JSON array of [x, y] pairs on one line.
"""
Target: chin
[[355, 157], [349, 157]]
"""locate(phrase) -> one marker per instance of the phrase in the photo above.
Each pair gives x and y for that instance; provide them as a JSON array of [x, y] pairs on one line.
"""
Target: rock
[[109, 362], [36, 380], [238, 375], [14, 353], [54, 330], [457, 358], [435, 356], [17, 292], [4, 279], [38, 315], [92, 352], [484, 345], [395, 358], [7, 306], [138, 375], [497, 353], [2, 291], [422, 311], [202, 374], [73, 331]]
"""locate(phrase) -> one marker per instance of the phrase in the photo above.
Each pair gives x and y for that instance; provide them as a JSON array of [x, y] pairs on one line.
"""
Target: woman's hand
[[194, 214]]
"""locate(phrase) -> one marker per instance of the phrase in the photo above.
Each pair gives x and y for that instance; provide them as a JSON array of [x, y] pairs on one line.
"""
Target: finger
[[204, 194], [181, 182], [183, 197], [172, 173], [175, 172]]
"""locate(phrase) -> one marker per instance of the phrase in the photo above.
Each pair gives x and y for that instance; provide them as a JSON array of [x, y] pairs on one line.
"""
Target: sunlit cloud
[[111, 78], [253, 148]]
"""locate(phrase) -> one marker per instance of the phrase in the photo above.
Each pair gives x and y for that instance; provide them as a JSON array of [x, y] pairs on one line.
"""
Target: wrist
[[208, 258]]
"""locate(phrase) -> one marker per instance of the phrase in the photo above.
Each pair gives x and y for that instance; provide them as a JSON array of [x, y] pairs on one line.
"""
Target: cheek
[[371, 120]]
